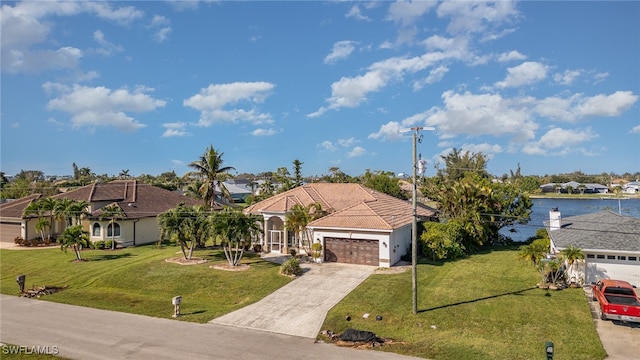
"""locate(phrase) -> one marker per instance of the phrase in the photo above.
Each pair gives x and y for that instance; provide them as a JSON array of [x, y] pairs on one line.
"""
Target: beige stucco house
[[141, 204], [362, 226]]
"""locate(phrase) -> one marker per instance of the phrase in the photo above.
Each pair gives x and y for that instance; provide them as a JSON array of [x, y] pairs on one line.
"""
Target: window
[[622, 258], [633, 258], [611, 257], [590, 256], [116, 230], [96, 230], [600, 256]]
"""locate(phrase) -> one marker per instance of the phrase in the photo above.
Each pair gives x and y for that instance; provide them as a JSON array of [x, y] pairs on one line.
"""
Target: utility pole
[[414, 225]]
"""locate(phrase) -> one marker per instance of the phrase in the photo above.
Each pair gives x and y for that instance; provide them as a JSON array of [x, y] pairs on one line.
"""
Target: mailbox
[[20, 279], [176, 300], [176, 305]]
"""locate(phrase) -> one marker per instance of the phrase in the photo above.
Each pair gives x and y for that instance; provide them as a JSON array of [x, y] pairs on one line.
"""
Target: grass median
[[483, 307], [138, 280]]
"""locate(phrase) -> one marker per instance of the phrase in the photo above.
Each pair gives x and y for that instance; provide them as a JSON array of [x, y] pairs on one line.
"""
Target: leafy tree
[[458, 163], [529, 184], [384, 181], [443, 240], [209, 168], [282, 177], [180, 223], [74, 237], [112, 212], [297, 173], [297, 220], [237, 229]]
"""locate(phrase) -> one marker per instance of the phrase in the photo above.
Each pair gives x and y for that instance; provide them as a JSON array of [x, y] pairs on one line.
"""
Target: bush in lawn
[[293, 252], [291, 267], [108, 244], [98, 245]]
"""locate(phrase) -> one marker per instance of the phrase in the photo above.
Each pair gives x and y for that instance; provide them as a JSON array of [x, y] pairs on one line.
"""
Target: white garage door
[[618, 269], [9, 231]]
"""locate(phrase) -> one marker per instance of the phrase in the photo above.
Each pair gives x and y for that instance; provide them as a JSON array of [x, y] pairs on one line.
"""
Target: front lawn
[[482, 307], [137, 280]]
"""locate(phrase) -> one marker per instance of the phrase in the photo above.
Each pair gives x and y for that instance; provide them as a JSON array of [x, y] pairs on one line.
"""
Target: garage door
[[627, 270], [9, 231], [352, 251]]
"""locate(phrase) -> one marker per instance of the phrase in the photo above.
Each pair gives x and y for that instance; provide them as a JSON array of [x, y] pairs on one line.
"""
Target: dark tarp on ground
[[358, 335]]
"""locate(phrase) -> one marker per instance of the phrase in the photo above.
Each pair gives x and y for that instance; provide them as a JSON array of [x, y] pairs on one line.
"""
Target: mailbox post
[[548, 348], [20, 279], [176, 305]]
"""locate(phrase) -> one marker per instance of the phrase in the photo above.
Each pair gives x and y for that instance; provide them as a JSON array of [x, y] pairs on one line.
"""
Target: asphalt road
[[84, 333]]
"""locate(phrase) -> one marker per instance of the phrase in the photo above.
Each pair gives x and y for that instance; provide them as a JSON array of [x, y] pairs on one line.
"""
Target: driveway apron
[[299, 308]]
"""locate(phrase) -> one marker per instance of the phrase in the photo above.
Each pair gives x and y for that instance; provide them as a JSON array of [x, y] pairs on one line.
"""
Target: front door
[[275, 241]]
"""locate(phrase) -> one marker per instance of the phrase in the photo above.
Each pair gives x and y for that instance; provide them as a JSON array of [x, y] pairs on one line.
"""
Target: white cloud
[[106, 47], [328, 145], [567, 78], [635, 130], [599, 77], [388, 131], [524, 74], [214, 101], [341, 50], [435, 75], [487, 149], [346, 142], [407, 12], [511, 56], [357, 151], [607, 105], [100, 106], [175, 129], [475, 16], [161, 27], [559, 141], [28, 24], [263, 132], [354, 12]]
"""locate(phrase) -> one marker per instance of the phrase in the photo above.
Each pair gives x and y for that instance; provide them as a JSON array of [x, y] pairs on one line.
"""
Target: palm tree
[[534, 253], [74, 237], [299, 217], [237, 229], [41, 226], [179, 222], [112, 212], [209, 168], [571, 255]]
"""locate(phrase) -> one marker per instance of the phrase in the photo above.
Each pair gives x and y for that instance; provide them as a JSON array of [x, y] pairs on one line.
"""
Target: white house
[[610, 242], [362, 226]]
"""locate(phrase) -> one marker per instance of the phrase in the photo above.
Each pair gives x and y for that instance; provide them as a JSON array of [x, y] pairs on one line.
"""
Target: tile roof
[[137, 200], [349, 206], [604, 230], [15, 208]]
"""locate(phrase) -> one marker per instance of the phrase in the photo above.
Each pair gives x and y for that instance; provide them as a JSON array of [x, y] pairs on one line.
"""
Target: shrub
[[316, 250], [108, 244], [291, 267], [98, 245], [19, 240], [257, 248], [293, 252]]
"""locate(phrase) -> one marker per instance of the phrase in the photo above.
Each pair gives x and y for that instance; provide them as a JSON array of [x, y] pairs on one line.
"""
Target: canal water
[[567, 208]]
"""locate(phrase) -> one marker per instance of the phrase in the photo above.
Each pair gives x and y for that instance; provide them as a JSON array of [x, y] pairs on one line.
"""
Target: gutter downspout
[[134, 231]]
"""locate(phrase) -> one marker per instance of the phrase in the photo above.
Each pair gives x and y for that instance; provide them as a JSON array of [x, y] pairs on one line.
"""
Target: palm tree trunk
[[184, 253]]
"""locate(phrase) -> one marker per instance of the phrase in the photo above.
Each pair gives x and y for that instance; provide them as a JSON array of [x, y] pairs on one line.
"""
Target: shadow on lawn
[[519, 292], [104, 257]]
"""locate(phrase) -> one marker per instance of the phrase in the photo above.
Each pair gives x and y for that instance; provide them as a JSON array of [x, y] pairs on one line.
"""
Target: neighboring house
[[362, 226], [610, 242], [239, 190], [141, 204], [575, 187], [631, 188]]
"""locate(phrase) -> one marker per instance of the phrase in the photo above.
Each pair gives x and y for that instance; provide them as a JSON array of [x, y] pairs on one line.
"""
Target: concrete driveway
[[620, 340], [299, 308]]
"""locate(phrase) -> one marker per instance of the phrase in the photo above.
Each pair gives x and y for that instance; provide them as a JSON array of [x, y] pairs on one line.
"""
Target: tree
[[209, 168], [458, 163], [75, 238], [179, 223], [385, 182], [42, 208], [112, 212], [571, 255], [443, 240], [297, 173], [297, 220], [534, 254], [237, 229]]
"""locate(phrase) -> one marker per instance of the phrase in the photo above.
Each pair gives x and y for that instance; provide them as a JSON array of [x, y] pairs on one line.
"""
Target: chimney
[[555, 220]]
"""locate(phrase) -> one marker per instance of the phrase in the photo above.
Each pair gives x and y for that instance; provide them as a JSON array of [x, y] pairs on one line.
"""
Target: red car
[[617, 299]]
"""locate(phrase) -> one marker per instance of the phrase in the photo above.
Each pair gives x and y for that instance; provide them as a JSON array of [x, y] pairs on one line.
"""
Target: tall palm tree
[[112, 212], [209, 168]]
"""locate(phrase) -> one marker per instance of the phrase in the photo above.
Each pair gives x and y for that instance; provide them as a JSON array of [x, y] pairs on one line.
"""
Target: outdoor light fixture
[[548, 348], [417, 164]]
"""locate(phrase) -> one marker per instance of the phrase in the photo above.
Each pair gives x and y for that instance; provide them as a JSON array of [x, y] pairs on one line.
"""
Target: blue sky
[[148, 86]]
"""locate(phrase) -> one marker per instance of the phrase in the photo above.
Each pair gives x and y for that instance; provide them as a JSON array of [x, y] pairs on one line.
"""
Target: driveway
[[299, 308], [620, 340]]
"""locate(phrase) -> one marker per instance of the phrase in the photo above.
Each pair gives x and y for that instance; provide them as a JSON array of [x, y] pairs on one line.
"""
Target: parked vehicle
[[617, 300]]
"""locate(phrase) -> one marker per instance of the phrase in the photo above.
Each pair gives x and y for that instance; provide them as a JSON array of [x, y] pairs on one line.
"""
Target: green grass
[[138, 280], [482, 307]]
